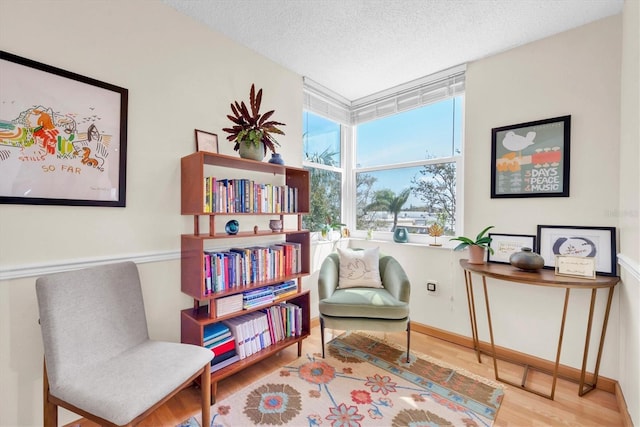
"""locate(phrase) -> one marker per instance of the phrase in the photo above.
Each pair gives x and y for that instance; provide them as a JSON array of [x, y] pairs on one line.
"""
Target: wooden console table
[[539, 278]]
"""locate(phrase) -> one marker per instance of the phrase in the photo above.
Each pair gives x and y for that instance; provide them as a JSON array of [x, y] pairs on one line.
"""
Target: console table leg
[[493, 346], [472, 313], [557, 364], [582, 390]]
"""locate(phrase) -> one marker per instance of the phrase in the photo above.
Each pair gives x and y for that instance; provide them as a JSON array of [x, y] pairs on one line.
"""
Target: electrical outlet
[[432, 287]]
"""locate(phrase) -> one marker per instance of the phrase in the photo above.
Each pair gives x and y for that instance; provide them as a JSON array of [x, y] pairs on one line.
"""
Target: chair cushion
[[359, 268], [364, 302], [125, 386]]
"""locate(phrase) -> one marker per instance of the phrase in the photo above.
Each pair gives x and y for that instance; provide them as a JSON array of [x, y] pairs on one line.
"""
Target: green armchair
[[364, 308]]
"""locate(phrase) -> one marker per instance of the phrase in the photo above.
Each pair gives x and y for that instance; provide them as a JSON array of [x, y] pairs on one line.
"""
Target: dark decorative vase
[[232, 227], [276, 159], [527, 260], [400, 235]]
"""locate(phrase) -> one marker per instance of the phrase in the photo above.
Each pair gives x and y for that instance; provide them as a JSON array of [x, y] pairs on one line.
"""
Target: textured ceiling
[[359, 47]]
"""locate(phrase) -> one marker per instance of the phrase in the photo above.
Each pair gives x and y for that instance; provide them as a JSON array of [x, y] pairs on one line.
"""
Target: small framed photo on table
[[594, 242], [206, 141], [576, 266], [504, 245]]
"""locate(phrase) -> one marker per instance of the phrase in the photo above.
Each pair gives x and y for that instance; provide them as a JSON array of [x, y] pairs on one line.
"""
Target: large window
[[406, 167], [388, 160], [322, 157]]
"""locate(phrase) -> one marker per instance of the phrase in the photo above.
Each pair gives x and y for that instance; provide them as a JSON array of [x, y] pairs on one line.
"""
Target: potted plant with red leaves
[[251, 130]]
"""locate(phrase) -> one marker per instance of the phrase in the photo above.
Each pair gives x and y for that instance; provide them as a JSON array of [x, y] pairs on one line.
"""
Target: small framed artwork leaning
[[206, 141], [593, 242], [504, 245], [531, 159]]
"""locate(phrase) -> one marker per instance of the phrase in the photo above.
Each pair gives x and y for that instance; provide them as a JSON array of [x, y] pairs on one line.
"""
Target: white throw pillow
[[359, 268]]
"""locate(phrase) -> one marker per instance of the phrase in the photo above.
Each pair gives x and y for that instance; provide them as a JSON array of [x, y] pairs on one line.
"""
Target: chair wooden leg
[[322, 335], [408, 339], [205, 387], [49, 410]]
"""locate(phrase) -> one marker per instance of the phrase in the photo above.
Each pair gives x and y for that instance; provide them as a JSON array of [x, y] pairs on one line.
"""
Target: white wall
[[629, 212], [576, 73], [182, 76]]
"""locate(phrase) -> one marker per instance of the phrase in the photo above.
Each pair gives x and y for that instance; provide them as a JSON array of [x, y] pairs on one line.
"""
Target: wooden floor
[[519, 408]]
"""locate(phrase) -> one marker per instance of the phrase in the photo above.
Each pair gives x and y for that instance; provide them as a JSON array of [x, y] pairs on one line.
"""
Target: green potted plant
[[329, 226], [251, 130], [476, 247]]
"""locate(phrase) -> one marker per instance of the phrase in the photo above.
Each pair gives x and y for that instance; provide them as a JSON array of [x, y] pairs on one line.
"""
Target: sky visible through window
[[431, 131]]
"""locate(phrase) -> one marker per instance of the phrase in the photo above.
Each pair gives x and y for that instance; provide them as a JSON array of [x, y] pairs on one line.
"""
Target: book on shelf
[[228, 344], [214, 330], [228, 305], [215, 341], [233, 359], [222, 357]]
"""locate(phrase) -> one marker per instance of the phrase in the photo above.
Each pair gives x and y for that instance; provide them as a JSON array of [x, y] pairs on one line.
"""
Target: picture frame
[[576, 266], [63, 136], [206, 141], [531, 159], [504, 245], [595, 242]]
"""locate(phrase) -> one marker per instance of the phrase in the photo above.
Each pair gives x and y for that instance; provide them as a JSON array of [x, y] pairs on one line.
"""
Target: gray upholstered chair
[[99, 360], [363, 308]]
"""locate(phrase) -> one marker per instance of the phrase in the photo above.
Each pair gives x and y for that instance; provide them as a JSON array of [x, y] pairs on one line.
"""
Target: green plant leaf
[[484, 231]]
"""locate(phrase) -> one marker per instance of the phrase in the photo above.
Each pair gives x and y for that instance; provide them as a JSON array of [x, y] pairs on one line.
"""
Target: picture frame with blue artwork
[[567, 240]]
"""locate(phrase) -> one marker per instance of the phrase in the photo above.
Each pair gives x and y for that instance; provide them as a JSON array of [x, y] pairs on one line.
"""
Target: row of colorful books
[[236, 267], [219, 339], [258, 330], [247, 196]]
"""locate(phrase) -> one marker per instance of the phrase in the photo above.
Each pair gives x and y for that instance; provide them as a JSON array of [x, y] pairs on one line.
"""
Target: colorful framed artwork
[[593, 242], [531, 159], [63, 136], [206, 141], [504, 245]]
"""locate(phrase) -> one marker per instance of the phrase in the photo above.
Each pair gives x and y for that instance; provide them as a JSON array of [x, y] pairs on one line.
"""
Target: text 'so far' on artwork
[[63, 136], [531, 159]]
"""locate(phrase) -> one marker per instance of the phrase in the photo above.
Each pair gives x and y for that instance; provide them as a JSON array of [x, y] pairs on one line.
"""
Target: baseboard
[[622, 407], [572, 374]]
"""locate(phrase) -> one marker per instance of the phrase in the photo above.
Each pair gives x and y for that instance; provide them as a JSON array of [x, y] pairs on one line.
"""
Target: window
[[406, 168], [322, 157], [387, 160]]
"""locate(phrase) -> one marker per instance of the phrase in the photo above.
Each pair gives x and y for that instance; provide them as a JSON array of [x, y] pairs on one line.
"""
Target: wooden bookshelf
[[194, 168]]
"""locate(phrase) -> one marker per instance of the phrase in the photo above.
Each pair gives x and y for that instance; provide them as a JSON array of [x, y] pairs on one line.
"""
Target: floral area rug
[[362, 382]]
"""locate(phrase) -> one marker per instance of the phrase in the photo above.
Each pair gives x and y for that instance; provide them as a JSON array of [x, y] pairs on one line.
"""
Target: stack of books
[[228, 305], [285, 289], [218, 338], [257, 297]]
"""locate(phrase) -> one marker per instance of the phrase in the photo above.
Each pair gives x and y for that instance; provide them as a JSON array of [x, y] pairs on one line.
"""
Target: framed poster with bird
[[531, 159]]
